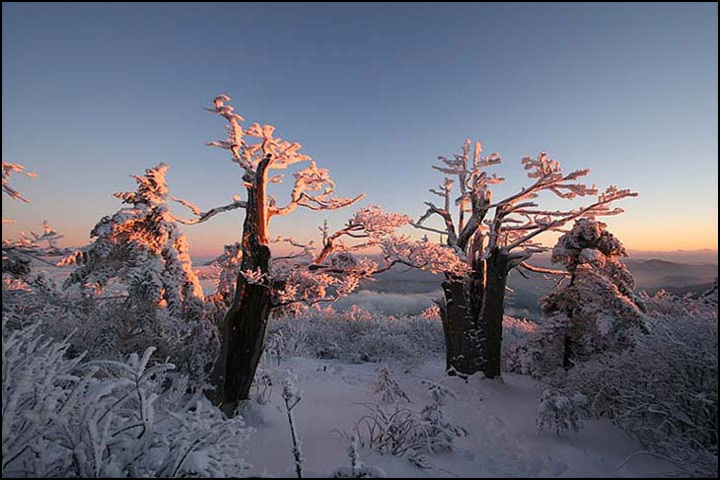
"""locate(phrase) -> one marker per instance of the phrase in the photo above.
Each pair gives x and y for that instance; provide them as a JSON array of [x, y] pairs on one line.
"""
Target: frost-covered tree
[[490, 237], [598, 310], [142, 247], [309, 275]]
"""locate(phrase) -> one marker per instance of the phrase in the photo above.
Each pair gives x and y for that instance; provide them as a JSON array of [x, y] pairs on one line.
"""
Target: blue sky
[[93, 93]]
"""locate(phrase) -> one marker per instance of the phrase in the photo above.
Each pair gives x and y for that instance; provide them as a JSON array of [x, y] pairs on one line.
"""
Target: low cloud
[[389, 303]]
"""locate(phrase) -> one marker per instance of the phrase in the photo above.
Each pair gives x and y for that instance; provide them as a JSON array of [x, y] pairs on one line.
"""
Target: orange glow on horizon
[[638, 234]]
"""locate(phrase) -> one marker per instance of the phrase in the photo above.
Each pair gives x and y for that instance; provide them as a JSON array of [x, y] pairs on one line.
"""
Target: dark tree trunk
[[244, 329], [461, 355], [472, 315], [246, 320], [493, 308], [459, 314]]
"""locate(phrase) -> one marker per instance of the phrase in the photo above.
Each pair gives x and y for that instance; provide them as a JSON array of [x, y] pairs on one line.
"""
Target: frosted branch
[[7, 170], [599, 208], [314, 189], [201, 216]]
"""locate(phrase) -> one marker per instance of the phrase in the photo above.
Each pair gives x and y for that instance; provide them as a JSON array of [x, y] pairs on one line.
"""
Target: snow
[[499, 416], [158, 423]]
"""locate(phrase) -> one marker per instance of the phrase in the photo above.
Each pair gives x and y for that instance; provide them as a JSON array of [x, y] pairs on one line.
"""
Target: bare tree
[[492, 238], [309, 275]]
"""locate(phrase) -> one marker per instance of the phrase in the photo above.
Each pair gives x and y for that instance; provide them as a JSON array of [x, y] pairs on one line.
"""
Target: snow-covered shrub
[[263, 386], [358, 335], [21, 256], [142, 247], [14, 265], [666, 304], [69, 417], [440, 432], [664, 390], [357, 469], [276, 345], [387, 390], [91, 324], [711, 296], [226, 268], [517, 346], [253, 410], [561, 411], [394, 430], [399, 430]]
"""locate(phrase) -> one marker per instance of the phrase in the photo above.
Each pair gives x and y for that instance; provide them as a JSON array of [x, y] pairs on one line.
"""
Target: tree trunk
[[493, 308], [459, 313], [244, 334], [464, 336], [246, 320]]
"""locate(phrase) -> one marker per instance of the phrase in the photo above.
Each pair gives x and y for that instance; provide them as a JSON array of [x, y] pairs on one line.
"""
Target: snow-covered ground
[[499, 416]]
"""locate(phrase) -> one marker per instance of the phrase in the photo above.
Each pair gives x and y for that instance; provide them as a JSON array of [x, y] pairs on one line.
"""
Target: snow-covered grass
[[499, 417]]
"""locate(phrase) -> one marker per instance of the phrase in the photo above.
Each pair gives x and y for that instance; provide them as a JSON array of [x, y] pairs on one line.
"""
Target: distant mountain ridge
[[651, 275]]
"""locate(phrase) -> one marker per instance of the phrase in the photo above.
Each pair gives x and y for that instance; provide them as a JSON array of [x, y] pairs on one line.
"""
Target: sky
[[92, 93]]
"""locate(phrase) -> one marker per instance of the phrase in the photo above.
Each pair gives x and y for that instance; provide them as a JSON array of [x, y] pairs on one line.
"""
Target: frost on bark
[[310, 274], [598, 311], [491, 237], [142, 247]]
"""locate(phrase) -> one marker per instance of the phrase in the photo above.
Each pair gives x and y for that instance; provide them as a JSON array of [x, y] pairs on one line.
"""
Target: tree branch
[[611, 195], [445, 215], [204, 216], [548, 271]]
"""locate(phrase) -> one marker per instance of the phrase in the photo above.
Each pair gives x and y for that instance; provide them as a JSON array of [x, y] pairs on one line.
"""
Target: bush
[[68, 417], [517, 353], [663, 391], [393, 428], [360, 336], [561, 411]]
